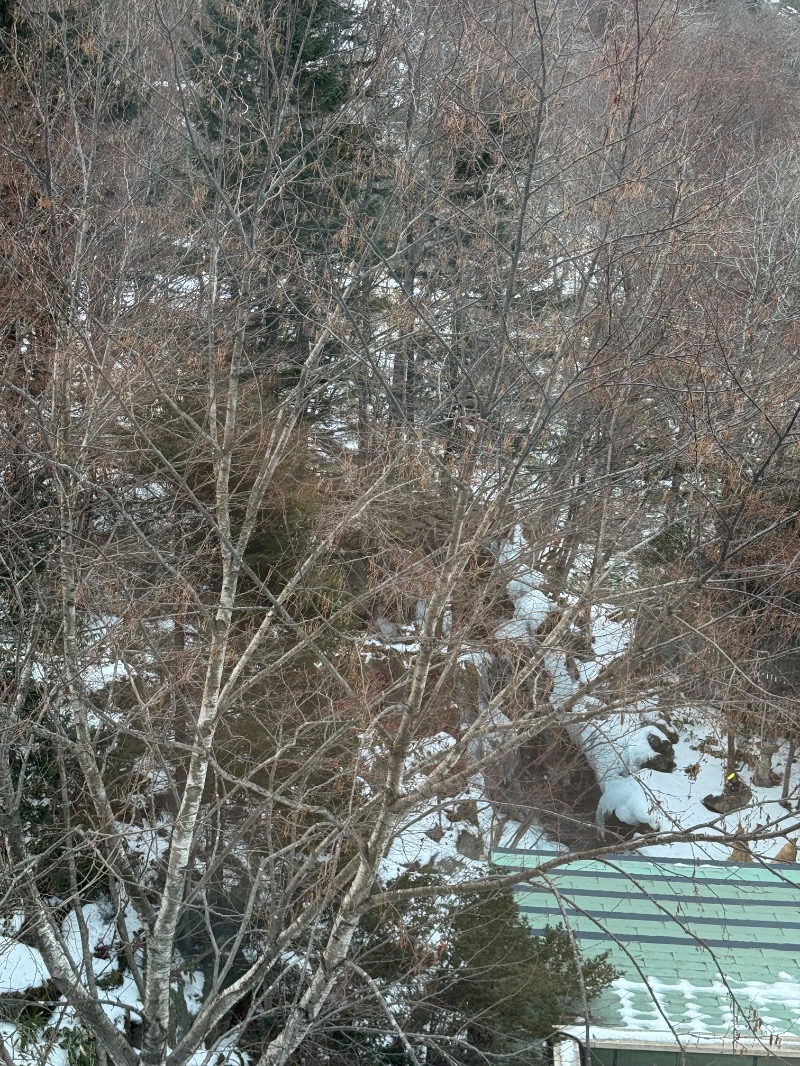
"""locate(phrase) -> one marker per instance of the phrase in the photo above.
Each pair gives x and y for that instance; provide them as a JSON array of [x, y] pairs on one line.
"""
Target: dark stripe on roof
[[660, 874], [644, 938], [665, 862], [681, 919], [665, 897]]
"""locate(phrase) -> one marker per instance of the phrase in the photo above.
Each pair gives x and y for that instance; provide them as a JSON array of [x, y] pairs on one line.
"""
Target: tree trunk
[[730, 756], [764, 776], [787, 773]]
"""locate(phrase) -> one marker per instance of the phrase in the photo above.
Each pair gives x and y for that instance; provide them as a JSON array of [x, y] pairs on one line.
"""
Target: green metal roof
[[705, 948]]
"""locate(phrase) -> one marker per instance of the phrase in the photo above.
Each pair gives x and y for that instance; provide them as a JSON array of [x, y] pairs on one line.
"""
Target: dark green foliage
[[70, 35], [210, 929], [467, 972], [288, 515], [36, 773], [6, 14], [474, 977], [28, 510], [80, 1046], [270, 74], [508, 984], [671, 544], [270, 132], [476, 158]]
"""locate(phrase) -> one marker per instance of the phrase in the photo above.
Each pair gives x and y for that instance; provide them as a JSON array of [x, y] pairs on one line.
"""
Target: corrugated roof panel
[[706, 947]]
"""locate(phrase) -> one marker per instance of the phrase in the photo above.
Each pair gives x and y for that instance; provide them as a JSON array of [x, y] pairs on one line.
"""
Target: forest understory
[[398, 462]]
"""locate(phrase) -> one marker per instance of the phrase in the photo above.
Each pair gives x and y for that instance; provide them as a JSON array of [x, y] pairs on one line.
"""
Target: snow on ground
[[610, 634], [224, 1053], [451, 836], [676, 798], [149, 841], [120, 994], [100, 935], [21, 967], [96, 678], [514, 834], [524, 587], [671, 802], [531, 607], [123, 1002], [455, 835]]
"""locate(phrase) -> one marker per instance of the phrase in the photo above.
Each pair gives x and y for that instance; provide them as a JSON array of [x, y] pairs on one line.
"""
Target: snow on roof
[[703, 949], [600, 1036]]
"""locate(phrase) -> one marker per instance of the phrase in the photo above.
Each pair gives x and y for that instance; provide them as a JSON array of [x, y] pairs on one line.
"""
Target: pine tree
[[272, 135], [476, 978]]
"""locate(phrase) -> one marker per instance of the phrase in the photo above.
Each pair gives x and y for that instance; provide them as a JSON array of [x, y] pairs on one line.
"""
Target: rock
[[729, 801], [624, 830], [668, 729], [435, 834], [663, 758], [470, 845], [388, 630], [664, 762], [466, 811], [625, 797], [661, 743], [764, 776], [788, 853], [740, 853]]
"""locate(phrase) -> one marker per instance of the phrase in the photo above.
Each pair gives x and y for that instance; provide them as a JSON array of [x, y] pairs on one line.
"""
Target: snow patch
[[688, 1017], [21, 967], [625, 797]]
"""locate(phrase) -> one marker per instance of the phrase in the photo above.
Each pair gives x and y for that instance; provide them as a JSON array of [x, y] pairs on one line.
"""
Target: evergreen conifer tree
[[272, 136]]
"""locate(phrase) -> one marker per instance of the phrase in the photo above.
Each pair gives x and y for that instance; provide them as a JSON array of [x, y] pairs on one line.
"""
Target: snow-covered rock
[[564, 685], [622, 743], [625, 797], [21, 967], [524, 587], [616, 744], [515, 550]]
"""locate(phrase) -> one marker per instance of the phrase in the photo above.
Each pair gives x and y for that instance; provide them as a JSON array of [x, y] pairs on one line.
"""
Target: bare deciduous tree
[[355, 356]]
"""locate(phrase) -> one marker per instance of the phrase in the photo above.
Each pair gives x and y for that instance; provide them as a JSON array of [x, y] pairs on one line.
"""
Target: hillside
[[398, 458]]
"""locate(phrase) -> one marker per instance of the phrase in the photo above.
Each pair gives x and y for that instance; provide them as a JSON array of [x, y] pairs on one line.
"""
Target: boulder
[[788, 852], [727, 802]]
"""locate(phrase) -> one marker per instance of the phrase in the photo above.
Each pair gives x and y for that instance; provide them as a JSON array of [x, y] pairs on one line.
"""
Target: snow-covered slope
[[617, 742]]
